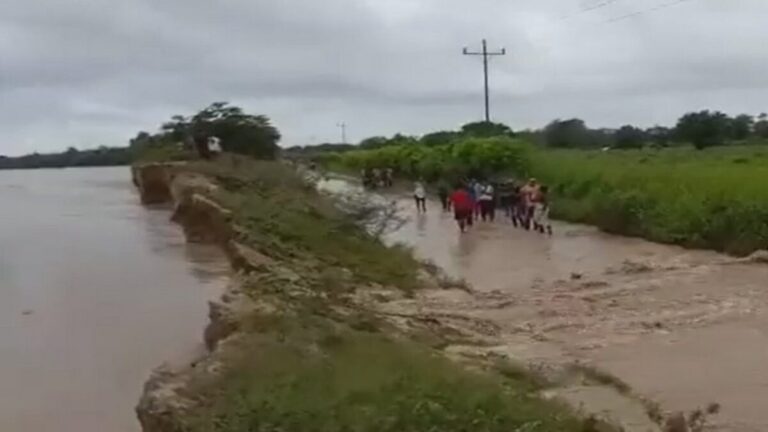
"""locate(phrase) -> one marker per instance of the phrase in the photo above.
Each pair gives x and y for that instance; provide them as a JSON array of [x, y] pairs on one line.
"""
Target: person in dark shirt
[[443, 193]]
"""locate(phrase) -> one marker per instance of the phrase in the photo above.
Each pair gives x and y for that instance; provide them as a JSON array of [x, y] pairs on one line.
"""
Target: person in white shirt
[[487, 202], [214, 145], [420, 195]]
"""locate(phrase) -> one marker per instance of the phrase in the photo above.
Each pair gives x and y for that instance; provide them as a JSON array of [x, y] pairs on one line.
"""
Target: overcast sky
[[94, 72]]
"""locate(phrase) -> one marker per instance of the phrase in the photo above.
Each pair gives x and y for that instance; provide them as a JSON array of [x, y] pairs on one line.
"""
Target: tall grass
[[316, 379], [714, 199]]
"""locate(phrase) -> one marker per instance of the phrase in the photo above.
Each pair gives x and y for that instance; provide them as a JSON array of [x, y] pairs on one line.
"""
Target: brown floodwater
[[95, 292], [682, 327]]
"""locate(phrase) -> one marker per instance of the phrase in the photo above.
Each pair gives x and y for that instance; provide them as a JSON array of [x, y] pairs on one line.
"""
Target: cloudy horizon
[[89, 73]]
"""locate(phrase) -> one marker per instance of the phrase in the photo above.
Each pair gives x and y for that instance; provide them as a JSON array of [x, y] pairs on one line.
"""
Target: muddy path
[[684, 328]]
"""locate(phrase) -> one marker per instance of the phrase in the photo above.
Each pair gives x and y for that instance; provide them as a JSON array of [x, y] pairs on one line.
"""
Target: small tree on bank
[[248, 134]]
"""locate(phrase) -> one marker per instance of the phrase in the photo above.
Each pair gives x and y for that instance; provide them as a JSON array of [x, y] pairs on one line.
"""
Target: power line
[[645, 11], [343, 127], [600, 5], [485, 55]]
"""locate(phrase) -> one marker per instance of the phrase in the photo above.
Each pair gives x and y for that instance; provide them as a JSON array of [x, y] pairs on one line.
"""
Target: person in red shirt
[[463, 207]]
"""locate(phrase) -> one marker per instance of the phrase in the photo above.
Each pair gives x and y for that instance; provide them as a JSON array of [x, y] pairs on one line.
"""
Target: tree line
[[238, 131], [701, 129], [72, 157]]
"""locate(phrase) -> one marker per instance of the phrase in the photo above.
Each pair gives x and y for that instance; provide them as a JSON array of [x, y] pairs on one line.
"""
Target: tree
[[571, 133], [740, 127], [761, 126], [659, 135], [486, 129], [373, 142], [629, 137], [703, 129], [439, 138], [253, 135]]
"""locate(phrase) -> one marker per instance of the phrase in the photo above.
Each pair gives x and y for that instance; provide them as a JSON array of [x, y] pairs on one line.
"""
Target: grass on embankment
[[714, 199], [324, 379], [310, 367]]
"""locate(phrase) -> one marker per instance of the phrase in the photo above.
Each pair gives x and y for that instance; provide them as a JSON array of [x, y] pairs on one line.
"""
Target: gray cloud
[[91, 72]]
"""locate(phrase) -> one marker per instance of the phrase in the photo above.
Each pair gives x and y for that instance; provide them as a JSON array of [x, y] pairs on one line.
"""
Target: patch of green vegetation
[[713, 199], [315, 378], [162, 153]]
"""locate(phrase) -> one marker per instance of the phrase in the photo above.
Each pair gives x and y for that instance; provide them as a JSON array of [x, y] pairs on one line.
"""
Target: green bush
[[477, 157]]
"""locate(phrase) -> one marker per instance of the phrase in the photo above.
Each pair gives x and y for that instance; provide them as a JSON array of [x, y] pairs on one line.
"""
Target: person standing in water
[[477, 192], [443, 192], [527, 194], [420, 195], [541, 211], [487, 203], [463, 207]]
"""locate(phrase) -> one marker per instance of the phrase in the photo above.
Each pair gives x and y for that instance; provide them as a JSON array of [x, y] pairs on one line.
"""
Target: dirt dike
[[165, 401]]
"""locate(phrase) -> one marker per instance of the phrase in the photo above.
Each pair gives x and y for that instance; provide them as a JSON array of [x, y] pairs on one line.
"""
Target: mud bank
[[166, 399]]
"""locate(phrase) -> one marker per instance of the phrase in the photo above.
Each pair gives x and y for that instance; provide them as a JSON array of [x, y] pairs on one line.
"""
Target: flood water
[[95, 292], [685, 328]]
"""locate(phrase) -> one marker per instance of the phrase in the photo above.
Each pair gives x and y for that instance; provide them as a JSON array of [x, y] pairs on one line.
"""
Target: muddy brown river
[[685, 328], [95, 292]]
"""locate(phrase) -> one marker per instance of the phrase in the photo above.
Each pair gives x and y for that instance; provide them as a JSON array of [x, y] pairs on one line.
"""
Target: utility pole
[[343, 127], [485, 55]]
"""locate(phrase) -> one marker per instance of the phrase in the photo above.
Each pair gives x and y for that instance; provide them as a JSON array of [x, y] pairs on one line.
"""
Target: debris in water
[[28, 312]]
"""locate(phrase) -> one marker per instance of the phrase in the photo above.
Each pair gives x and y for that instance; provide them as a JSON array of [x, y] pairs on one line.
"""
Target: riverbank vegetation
[[103, 156], [238, 131], [313, 358], [715, 199]]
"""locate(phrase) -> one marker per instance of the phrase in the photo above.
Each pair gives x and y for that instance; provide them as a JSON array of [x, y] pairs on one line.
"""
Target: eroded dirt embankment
[[166, 398]]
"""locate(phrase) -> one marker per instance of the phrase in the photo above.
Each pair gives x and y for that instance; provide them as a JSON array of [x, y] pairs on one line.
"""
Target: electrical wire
[[644, 11], [600, 5]]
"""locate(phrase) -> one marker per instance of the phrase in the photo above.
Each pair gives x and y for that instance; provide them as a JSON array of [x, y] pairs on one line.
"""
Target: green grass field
[[707, 199]]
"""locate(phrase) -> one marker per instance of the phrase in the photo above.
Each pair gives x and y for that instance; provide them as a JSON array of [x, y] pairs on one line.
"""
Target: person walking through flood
[[518, 207], [487, 203], [463, 207], [527, 193], [420, 195], [442, 193], [541, 211], [389, 177], [477, 191], [505, 191]]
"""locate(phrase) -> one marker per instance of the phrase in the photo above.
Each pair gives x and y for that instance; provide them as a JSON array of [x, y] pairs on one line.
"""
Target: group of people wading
[[377, 177], [526, 205]]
